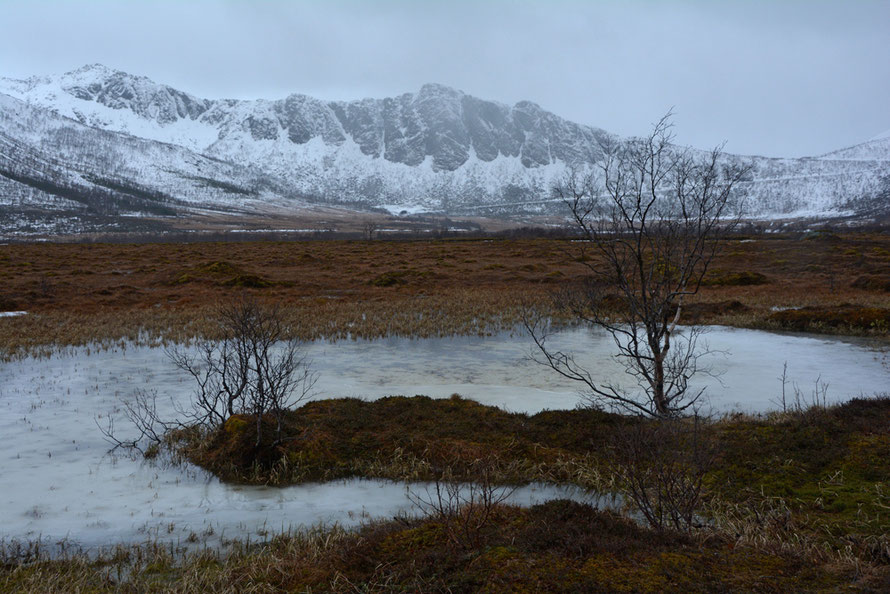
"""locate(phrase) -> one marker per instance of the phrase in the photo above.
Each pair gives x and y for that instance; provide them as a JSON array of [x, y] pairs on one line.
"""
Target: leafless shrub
[[465, 509], [659, 467], [150, 429], [799, 402], [256, 369], [370, 230]]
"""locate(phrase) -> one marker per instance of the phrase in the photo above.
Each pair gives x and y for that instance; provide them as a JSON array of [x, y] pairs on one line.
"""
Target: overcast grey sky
[[777, 78]]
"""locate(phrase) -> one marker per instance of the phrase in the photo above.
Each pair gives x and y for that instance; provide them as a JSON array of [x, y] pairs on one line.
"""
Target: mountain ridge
[[436, 121], [436, 149]]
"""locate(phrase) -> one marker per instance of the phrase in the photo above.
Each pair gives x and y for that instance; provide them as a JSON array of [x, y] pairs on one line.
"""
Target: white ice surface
[[496, 370], [58, 483]]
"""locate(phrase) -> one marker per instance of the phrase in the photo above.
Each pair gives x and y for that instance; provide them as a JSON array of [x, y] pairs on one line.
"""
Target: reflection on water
[[58, 483]]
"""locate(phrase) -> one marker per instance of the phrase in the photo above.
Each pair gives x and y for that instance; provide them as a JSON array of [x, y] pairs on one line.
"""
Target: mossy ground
[[820, 477], [405, 438]]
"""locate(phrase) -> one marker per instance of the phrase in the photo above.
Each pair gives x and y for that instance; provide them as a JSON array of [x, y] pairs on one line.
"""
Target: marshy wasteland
[[444, 297]]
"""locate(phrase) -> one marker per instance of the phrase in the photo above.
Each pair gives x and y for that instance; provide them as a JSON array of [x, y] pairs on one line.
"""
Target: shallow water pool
[[58, 482]]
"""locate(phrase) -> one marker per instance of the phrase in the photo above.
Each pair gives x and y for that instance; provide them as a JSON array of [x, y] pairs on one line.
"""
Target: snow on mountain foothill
[[438, 149]]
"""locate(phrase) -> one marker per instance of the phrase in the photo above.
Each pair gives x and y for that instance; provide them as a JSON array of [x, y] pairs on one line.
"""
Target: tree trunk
[[658, 396]]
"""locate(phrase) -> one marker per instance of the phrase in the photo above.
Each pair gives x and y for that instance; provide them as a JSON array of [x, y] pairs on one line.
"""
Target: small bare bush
[[256, 369], [798, 402], [659, 468], [464, 509]]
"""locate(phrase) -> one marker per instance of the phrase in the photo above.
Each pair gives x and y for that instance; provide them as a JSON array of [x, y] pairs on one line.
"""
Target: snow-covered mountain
[[438, 149], [59, 176]]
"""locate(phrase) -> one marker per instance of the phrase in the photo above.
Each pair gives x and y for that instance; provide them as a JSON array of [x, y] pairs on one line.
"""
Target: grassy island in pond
[[815, 481], [792, 501]]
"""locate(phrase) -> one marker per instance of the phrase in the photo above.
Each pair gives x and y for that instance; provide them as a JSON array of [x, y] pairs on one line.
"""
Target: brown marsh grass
[[81, 293], [558, 546]]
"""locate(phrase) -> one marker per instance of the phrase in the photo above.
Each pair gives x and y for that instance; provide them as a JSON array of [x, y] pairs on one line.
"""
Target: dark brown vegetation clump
[[872, 282], [744, 278], [844, 317]]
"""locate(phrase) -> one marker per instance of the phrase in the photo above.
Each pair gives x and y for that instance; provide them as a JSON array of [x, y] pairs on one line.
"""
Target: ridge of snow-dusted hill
[[112, 100], [882, 135], [876, 149], [437, 122], [58, 175], [437, 149]]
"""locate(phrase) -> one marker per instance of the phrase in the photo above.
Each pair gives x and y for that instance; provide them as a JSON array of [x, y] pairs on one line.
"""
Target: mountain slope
[[58, 175], [438, 149]]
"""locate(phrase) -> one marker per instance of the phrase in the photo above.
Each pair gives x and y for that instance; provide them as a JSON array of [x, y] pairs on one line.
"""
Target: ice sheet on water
[[58, 482]]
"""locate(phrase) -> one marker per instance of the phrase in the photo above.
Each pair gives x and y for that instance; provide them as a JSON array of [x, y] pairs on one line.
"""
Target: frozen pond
[[746, 365], [59, 484]]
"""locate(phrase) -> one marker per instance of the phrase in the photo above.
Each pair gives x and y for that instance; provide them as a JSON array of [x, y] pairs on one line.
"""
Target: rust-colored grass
[[78, 293]]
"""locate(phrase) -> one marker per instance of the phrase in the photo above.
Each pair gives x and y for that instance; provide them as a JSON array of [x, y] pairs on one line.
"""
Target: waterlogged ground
[[58, 482]]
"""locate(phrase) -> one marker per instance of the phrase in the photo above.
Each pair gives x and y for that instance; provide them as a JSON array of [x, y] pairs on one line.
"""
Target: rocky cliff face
[[437, 122]]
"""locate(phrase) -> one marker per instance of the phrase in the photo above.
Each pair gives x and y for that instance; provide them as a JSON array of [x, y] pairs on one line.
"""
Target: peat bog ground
[[790, 501], [81, 293]]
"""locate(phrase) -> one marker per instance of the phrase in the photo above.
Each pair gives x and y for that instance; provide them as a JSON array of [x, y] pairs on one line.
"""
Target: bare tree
[[650, 214], [256, 369], [370, 230]]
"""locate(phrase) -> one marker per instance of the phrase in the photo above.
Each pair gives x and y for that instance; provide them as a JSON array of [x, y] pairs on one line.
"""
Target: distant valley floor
[[78, 293]]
